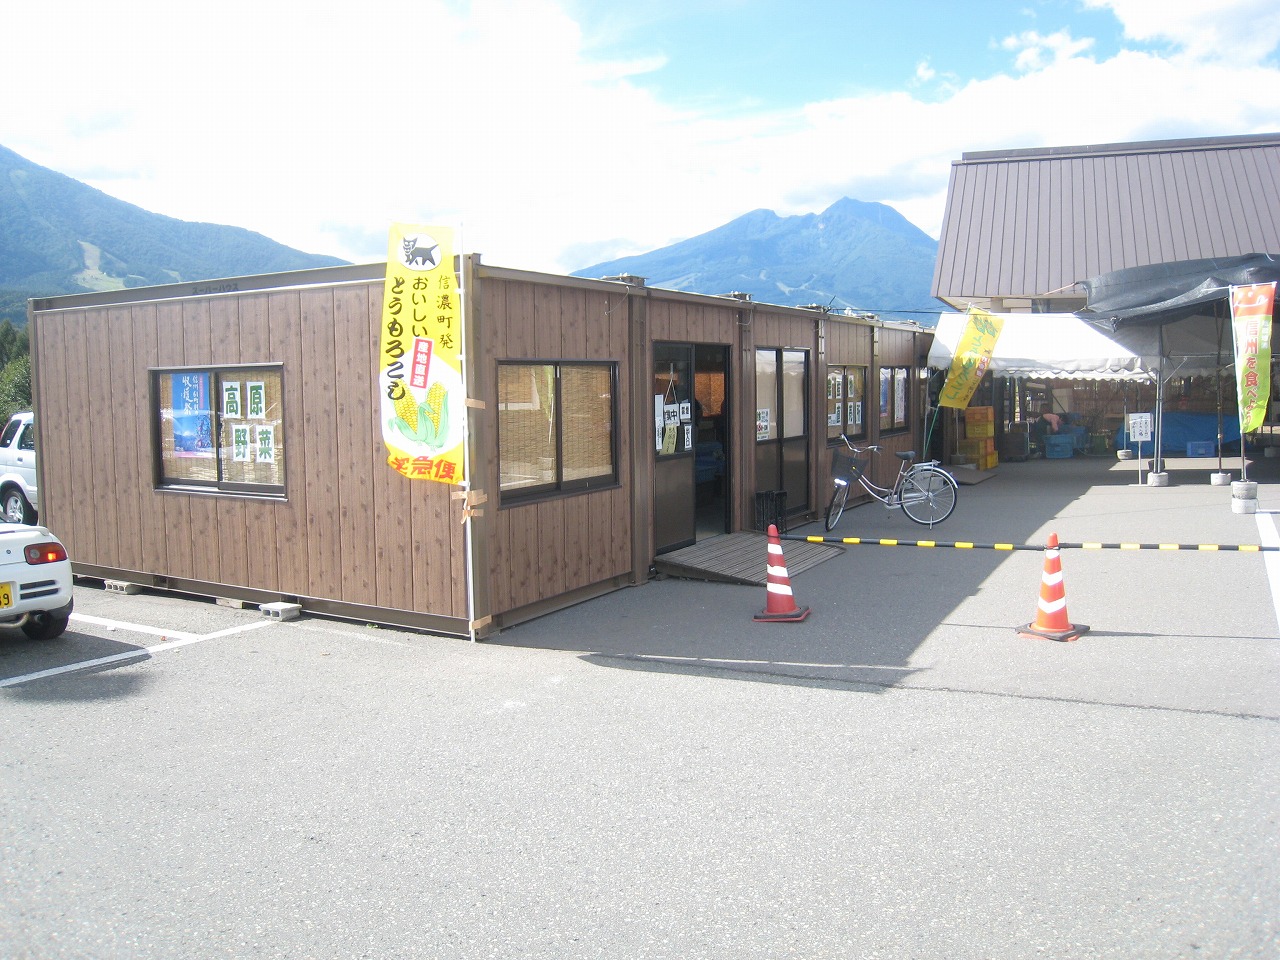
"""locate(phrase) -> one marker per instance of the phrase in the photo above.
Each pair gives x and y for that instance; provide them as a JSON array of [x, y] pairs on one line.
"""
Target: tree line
[[15, 369]]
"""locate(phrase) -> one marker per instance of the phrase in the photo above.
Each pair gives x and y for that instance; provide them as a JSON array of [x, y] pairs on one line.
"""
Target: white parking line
[[1270, 538], [171, 640]]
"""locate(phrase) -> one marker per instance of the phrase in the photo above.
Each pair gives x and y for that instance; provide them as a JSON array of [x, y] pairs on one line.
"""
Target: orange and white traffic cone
[[1051, 621], [780, 605]]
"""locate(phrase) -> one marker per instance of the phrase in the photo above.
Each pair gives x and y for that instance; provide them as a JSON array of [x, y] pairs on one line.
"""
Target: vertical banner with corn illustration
[[971, 358], [420, 367], [1251, 310]]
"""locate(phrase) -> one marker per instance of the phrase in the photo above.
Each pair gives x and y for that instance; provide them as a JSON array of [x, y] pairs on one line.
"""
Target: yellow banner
[[424, 422], [1251, 310], [971, 358]]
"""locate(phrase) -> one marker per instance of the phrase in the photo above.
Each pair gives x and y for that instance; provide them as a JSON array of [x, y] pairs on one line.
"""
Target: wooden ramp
[[740, 558]]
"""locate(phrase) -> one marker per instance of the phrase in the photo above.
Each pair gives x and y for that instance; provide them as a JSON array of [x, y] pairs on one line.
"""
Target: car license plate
[[6, 595]]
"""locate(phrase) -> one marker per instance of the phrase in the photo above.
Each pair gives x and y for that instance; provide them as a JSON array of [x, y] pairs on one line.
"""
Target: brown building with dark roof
[[1022, 227]]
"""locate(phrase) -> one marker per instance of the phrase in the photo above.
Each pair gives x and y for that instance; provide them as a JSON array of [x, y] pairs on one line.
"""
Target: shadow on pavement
[[873, 606]]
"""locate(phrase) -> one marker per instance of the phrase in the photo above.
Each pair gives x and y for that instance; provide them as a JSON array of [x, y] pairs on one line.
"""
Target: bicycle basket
[[846, 466]]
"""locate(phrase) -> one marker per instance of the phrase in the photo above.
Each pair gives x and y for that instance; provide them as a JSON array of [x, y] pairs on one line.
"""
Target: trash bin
[[771, 507]]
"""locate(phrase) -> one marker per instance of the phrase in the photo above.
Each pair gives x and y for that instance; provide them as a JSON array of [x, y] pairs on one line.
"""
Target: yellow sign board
[[971, 358], [420, 380]]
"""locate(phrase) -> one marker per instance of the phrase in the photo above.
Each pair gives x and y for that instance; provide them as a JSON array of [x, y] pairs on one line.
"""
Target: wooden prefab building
[[607, 424]]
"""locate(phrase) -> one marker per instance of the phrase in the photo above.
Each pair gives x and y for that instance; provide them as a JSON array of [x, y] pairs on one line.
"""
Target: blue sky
[[731, 55], [559, 133]]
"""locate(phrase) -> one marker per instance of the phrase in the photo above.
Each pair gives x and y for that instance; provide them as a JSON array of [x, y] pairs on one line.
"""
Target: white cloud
[[319, 124], [1239, 30], [1034, 51]]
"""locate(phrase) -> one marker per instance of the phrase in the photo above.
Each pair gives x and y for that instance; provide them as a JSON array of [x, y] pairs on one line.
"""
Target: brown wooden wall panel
[[849, 343], [320, 443], [126, 482], [56, 389], [153, 535], [684, 321], [284, 338], [356, 456], [539, 550]]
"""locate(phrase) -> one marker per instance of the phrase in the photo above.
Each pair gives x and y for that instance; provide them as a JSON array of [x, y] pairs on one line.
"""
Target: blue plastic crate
[[1058, 446]]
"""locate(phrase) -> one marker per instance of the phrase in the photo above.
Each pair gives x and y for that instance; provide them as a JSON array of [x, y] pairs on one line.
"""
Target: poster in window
[[264, 441], [762, 423], [686, 411], [671, 414], [256, 399], [900, 397], [420, 381], [192, 415], [231, 397], [833, 418], [241, 446], [688, 437], [669, 438]]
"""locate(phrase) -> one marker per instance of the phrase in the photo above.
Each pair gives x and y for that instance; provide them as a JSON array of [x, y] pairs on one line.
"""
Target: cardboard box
[[977, 447]]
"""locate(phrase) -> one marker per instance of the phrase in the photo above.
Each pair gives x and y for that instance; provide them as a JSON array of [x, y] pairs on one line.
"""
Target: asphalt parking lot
[[652, 774]]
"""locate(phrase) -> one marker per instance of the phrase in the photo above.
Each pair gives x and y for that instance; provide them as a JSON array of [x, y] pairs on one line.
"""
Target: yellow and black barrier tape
[[967, 545]]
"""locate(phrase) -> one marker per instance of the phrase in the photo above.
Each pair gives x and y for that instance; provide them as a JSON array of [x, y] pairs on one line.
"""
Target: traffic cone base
[[1031, 632], [780, 605], [1051, 621]]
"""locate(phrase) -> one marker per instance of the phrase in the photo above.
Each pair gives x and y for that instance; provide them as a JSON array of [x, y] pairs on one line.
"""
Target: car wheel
[[15, 507], [45, 626]]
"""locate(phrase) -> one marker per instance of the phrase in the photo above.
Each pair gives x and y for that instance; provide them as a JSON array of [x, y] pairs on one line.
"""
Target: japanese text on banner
[[1251, 310], [423, 395], [972, 357]]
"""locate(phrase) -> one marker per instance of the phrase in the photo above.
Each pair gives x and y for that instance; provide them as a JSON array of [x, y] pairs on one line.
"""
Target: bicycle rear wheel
[[839, 497], [928, 495]]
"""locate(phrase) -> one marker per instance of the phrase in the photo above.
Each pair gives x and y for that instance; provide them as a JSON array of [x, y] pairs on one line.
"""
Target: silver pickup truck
[[18, 494]]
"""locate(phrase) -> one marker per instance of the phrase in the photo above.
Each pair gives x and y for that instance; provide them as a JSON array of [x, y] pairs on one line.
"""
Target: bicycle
[[925, 492]]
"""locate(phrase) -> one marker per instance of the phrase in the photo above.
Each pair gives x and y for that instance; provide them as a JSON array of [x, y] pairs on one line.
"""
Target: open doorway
[[691, 452], [711, 463]]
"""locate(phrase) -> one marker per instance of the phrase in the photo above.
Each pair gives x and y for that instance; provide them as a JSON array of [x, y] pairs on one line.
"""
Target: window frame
[[559, 486], [221, 486], [895, 395], [842, 400]]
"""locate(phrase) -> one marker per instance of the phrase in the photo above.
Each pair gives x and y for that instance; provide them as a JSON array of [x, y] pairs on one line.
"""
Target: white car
[[35, 581], [18, 494]]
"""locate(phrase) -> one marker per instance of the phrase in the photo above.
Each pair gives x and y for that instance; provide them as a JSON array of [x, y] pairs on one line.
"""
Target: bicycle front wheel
[[839, 497], [928, 495]]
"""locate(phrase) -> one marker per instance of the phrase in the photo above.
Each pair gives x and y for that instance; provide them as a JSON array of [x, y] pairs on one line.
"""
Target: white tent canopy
[[1043, 346], [1061, 346]]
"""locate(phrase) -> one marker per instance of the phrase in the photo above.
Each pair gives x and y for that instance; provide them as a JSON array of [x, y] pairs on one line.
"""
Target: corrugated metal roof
[[1029, 223]]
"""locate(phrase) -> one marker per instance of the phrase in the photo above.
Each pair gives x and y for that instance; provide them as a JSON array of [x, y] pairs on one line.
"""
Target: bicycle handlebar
[[874, 448]]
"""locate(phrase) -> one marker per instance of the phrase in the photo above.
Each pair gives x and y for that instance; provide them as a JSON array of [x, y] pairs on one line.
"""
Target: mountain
[[58, 235], [862, 256]]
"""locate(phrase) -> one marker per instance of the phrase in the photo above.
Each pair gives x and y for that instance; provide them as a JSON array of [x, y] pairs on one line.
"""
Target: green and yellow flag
[[1251, 310], [971, 358], [423, 415]]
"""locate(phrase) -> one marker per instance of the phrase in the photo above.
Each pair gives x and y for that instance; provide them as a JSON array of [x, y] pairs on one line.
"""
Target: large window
[[222, 428], [894, 397], [556, 427], [846, 402]]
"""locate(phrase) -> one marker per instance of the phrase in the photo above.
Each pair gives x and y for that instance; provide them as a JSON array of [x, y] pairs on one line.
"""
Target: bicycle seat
[[906, 454]]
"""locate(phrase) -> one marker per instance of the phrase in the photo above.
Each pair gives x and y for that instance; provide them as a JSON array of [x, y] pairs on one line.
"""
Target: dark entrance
[[691, 432]]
